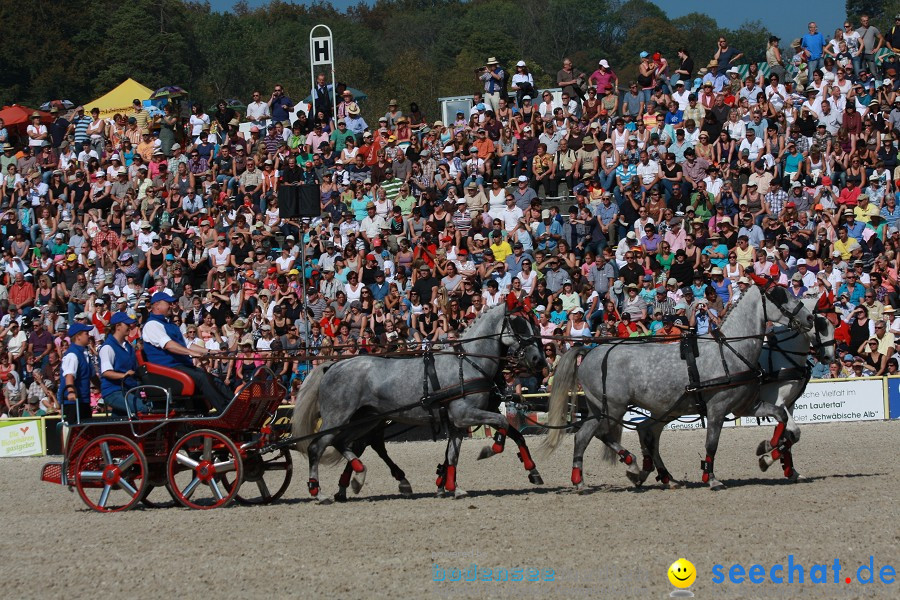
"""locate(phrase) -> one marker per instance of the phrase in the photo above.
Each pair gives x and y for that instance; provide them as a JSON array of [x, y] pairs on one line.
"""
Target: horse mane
[[731, 310], [478, 319]]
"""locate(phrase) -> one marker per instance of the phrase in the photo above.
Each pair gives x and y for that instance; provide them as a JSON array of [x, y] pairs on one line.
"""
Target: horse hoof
[[795, 477], [764, 463], [579, 488], [764, 447], [324, 501], [486, 452], [642, 477], [535, 479], [673, 485], [405, 488], [357, 482], [716, 486], [634, 477], [341, 496], [460, 493]]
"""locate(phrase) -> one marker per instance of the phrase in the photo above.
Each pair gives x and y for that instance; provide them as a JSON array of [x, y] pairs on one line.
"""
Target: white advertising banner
[[21, 437], [829, 401]]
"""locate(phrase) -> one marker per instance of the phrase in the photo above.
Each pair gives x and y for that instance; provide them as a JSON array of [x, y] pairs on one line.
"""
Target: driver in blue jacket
[[164, 345]]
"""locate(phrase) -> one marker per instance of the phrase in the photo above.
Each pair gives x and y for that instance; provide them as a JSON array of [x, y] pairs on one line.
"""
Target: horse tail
[[306, 407], [564, 382]]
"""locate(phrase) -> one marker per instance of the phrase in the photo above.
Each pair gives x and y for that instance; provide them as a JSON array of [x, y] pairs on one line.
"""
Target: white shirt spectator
[[755, 147], [258, 111]]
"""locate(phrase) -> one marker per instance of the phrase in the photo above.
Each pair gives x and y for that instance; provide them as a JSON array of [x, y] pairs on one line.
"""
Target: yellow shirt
[[864, 215], [844, 247], [501, 250], [744, 257]]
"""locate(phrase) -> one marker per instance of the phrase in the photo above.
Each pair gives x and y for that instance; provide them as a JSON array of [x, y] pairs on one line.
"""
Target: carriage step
[[52, 473]]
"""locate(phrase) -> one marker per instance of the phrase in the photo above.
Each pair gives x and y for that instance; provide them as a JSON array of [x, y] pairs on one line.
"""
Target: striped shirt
[[81, 127]]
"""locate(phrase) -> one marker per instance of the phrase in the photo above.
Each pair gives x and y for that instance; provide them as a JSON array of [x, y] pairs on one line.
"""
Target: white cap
[[448, 149], [523, 179], [521, 63], [801, 261], [604, 64], [526, 128]]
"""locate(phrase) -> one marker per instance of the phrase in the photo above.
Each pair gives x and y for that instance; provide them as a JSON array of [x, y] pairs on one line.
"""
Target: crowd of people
[[619, 208]]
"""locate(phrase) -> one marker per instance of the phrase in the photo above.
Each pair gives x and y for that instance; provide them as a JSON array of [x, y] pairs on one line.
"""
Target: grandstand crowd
[[620, 208]]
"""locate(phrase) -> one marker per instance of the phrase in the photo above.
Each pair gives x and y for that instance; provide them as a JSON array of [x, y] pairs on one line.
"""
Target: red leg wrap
[[626, 457], [707, 467], [787, 462], [450, 484], [525, 457], [313, 487], [441, 475], [776, 454], [344, 481], [499, 441], [357, 465], [648, 464], [779, 431], [576, 476], [664, 477]]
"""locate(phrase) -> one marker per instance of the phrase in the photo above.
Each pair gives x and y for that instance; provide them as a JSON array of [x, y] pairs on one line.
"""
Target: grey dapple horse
[[355, 396], [654, 377], [785, 375], [783, 359]]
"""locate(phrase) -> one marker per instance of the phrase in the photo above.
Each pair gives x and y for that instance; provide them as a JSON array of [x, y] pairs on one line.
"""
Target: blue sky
[[787, 19]]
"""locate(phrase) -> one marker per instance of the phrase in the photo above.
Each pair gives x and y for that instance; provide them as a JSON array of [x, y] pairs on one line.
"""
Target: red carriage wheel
[[266, 478], [111, 473], [197, 468]]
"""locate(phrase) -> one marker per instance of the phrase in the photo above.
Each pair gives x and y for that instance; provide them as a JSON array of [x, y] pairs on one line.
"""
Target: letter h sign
[[320, 50]]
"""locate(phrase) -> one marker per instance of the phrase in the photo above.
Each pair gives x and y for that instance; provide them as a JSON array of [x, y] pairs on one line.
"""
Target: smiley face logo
[[682, 573]]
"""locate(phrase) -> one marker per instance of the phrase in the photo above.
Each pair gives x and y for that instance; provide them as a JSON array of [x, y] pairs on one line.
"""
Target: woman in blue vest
[[74, 394], [118, 364], [164, 345]]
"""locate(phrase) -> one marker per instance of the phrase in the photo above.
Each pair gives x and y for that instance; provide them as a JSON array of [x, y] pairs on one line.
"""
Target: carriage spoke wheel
[[266, 478], [111, 474], [197, 468]]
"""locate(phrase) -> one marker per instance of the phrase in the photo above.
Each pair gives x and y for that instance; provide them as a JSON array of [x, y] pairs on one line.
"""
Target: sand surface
[[611, 542]]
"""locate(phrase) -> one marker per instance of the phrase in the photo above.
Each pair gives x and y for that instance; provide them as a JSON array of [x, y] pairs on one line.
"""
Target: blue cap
[[170, 257], [121, 317], [644, 54], [161, 296], [77, 328], [848, 357], [480, 106]]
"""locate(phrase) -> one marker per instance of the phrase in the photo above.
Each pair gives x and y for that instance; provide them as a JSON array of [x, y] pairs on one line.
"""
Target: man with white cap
[[164, 345]]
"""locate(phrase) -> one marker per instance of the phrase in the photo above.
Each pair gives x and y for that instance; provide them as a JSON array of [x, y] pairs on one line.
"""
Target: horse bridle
[[523, 342], [793, 321]]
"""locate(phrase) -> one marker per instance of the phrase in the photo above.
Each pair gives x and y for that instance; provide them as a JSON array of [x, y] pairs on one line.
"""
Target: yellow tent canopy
[[119, 99]]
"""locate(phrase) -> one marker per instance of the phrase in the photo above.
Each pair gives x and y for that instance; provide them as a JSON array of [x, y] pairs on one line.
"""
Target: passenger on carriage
[[74, 394], [164, 345], [118, 367]]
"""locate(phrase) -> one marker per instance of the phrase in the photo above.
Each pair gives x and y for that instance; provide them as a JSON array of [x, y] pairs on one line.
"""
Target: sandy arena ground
[[612, 542]]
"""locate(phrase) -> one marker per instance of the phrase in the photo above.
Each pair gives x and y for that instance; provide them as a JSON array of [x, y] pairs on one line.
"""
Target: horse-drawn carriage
[[116, 462]]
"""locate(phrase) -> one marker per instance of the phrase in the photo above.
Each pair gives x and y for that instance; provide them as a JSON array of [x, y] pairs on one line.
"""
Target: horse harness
[[437, 398]]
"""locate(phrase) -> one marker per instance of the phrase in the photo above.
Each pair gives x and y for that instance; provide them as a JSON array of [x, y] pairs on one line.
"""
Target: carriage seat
[[180, 385]]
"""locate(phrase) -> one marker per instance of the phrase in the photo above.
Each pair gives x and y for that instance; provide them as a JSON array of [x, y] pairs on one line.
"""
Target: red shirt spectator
[[21, 293]]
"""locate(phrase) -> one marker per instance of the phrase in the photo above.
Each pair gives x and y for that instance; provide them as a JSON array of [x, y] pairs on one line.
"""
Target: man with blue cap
[[118, 365], [164, 345], [74, 394]]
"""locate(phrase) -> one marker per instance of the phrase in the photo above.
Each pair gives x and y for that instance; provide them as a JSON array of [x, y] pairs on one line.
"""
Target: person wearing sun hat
[[74, 393]]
